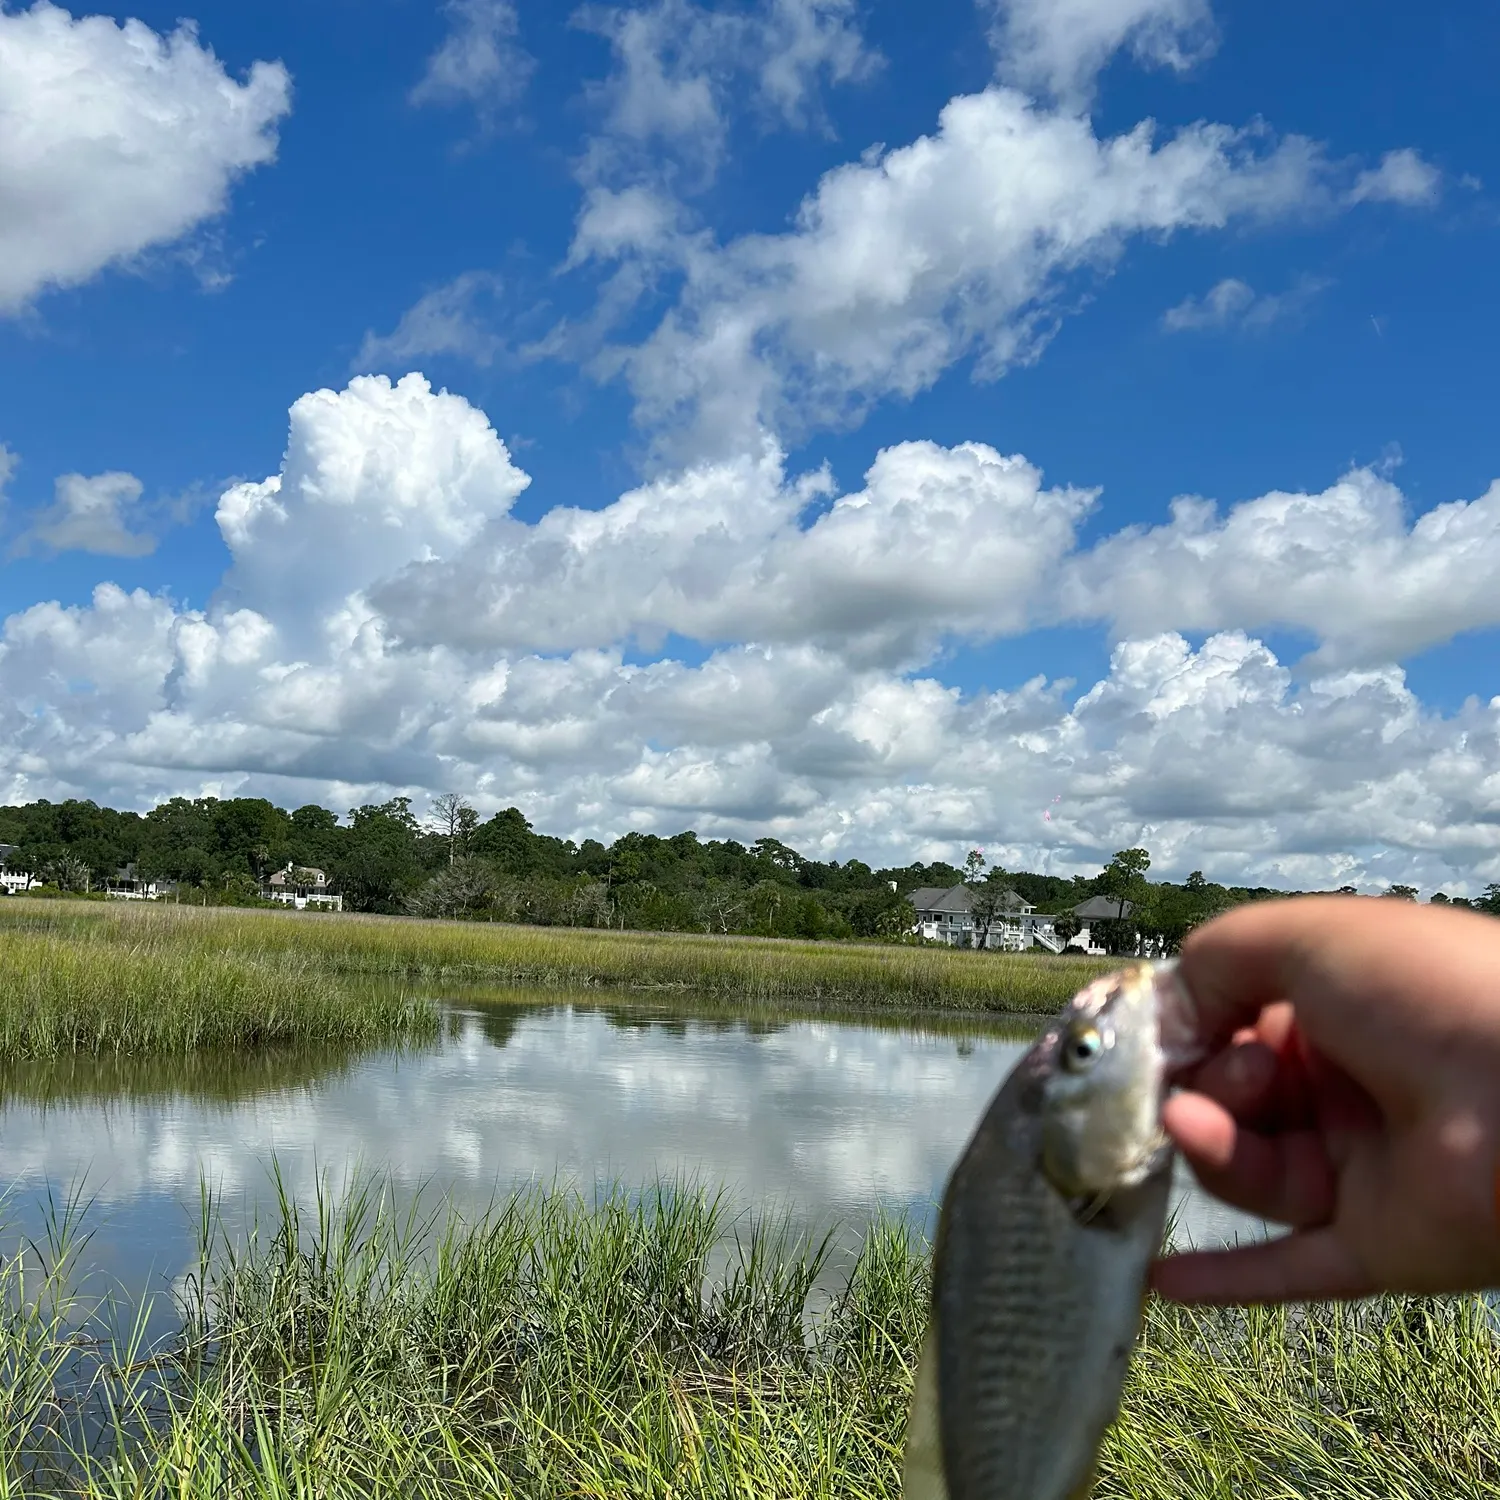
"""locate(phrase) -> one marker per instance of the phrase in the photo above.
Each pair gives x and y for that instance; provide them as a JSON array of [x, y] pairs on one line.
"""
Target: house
[[1093, 911], [947, 916], [128, 884], [300, 886], [13, 880]]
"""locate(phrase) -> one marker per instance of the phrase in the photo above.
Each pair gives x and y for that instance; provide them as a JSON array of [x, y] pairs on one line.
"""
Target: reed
[[115, 990], [1394, 1397], [758, 970], [653, 1345]]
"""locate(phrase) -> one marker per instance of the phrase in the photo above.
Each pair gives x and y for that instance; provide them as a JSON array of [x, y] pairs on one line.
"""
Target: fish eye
[[1081, 1047]]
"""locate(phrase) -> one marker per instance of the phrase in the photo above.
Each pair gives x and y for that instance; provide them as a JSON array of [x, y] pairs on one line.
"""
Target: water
[[829, 1119]]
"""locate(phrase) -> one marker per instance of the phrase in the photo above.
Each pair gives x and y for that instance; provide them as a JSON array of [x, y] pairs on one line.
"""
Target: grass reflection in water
[[206, 1077]]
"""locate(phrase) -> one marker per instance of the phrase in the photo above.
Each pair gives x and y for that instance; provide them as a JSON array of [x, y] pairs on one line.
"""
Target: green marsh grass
[[114, 989], [1398, 1397], [759, 970], [654, 1346]]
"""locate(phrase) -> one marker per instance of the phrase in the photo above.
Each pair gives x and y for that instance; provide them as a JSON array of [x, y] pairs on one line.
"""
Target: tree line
[[383, 858]]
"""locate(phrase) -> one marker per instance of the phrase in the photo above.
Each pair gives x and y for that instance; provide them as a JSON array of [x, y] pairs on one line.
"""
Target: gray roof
[[958, 898], [1097, 908], [931, 898]]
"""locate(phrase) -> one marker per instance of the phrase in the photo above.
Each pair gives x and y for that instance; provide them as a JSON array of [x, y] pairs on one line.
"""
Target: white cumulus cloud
[[377, 477], [959, 244], [114, 139], [327, 669], [89, 514], [1348, 566], [1059, 47], [940, 540]]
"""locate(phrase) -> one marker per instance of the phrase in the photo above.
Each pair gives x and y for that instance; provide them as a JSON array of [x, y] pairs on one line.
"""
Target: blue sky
[[935, 228]]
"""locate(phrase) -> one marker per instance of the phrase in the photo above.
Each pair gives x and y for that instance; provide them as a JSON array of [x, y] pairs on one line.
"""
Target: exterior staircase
[[1048, 940]]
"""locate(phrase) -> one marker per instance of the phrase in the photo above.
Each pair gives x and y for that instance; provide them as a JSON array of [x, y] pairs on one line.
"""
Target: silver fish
[[1049, 1225]]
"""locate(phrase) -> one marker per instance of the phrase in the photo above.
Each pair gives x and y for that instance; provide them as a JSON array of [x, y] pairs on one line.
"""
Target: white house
[[13, 880], [947, 916], [128, 884], [301, 886], [1093, 911]]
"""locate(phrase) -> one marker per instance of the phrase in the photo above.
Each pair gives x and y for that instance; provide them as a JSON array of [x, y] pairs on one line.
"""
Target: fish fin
[[922, 1469]]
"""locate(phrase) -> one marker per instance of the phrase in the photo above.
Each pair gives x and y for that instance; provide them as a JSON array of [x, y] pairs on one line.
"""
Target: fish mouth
[[1178, 1032]]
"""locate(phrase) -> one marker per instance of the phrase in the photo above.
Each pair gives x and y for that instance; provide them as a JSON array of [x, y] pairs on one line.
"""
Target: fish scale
[[1036, 1295]]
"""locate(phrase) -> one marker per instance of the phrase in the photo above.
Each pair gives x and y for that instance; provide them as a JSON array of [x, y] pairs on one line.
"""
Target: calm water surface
[[829, 1119]]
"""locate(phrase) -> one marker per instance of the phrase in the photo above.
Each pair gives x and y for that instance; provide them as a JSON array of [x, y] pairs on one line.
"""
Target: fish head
[[1103, 1076]]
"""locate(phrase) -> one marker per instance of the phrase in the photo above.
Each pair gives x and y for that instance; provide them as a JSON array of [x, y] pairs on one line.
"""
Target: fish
[[1048, 1228]]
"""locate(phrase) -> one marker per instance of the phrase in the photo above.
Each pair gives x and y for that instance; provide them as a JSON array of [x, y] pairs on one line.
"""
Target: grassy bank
[[759, 970], [625, 1349], [112, 989]]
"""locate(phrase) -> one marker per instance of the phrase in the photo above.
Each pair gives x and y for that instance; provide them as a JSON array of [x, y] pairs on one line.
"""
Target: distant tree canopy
[[383, 859]]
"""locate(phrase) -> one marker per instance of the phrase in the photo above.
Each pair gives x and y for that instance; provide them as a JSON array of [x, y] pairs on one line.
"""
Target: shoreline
[[135, 978]]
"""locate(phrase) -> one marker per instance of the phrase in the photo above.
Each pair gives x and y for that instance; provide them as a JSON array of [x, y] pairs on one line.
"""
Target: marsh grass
[[636, 1344], [764, 971], [1399, 1397], [111, 989], [655, 1345]]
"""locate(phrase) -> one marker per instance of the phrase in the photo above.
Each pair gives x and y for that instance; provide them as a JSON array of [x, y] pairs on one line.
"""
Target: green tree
[[313, 838], [776, 854], [236, 888], [1116, 935], [881, 913], [1123, 879], [508, 841], [378, 864], [765, 901], [1403, 892], [1067, 927], [721, 905]]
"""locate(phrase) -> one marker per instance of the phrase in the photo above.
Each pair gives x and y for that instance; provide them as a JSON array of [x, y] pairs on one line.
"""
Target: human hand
[[1352, 1092]]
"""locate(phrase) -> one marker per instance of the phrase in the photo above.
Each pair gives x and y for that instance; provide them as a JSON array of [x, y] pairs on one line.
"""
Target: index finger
[[1235, 966]]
